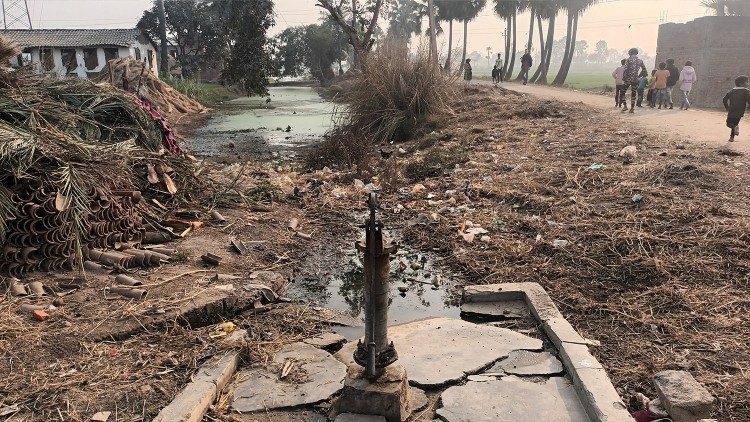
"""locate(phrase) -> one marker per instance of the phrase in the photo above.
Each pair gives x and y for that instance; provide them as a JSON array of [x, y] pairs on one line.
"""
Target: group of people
[[497, 70], [660, 86]]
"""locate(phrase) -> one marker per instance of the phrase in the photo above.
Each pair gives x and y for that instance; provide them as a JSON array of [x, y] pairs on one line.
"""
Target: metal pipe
[[138, 294]]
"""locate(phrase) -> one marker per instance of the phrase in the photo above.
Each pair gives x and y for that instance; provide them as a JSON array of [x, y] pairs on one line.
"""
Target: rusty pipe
[[138, 294], [127, 280], [17, 288], [36, 288]]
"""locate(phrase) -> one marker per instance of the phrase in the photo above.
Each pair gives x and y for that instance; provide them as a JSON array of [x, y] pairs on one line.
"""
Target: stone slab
[[326, 341], [386, 396], [440, 351], [261, 389], [526, 363], [684, 398], [510, 399], [504, 309], [192, 402], [354, 417]]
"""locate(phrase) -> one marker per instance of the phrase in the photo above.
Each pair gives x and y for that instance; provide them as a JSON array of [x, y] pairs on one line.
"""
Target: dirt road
[[699, 126]]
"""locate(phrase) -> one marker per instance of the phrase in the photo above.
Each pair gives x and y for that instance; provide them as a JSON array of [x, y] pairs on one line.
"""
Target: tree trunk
[[433, 37], [561, 75], [163, 56], [542, 50], [447, 66], [569, 59], [548, 50], [463, 56], [530, 42], [355, 55], [513, 49], [507, 45]]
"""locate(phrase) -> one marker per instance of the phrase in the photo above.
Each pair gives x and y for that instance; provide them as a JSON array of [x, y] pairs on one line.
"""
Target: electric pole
[[16, 14], [163, 56]]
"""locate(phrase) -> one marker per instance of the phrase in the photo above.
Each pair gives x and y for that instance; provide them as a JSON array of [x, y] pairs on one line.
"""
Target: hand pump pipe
[[375, 353]]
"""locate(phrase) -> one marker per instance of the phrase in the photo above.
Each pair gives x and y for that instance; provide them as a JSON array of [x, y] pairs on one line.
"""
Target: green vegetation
[[205, 93], [589, 81]]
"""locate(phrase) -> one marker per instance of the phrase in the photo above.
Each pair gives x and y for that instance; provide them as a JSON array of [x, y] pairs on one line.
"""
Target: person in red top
[[660, 85]]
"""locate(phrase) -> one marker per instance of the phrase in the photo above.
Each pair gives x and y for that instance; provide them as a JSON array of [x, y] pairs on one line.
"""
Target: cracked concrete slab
[[441, 351], [526, 363], [502, 309], [261, 389], [512, 399]]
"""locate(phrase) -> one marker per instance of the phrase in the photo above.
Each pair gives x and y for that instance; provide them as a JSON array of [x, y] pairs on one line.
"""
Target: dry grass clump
[[389, 102], [656, 254]]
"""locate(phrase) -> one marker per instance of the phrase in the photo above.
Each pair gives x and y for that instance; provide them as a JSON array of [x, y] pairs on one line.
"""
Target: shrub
[[390, 101]]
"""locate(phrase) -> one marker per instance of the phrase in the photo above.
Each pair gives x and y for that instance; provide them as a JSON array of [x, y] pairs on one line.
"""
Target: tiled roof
[[71, 37]]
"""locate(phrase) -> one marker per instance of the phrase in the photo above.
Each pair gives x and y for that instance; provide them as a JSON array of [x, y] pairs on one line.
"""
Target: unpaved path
[[700, 126]]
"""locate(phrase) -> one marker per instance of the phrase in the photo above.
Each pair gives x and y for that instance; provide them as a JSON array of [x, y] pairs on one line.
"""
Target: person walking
[[617, 75], [674, 76], [651, 96], [499, 65], [467, 72], [687, 79], [495, 75], [634, 67], [642, 82], [526, 62], [736, 102], [661, 85]]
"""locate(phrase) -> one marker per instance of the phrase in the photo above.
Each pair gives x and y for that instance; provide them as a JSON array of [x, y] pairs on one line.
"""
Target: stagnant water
[[295, 117], [331, 276]]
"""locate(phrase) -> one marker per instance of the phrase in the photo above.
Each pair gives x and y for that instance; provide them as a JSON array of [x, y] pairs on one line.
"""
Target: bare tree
[[361, 41], [433, 37]]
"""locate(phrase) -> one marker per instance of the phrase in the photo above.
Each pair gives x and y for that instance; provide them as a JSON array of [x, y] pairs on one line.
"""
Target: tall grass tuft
[[390, 101]]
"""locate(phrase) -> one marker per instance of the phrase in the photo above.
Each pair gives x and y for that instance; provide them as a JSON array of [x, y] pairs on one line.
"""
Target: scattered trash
[[101, 416], [305, 236], [418, 188], [218, 217], [286, 369], [211, 259], [239, 246], [127, 280], [597, 166], [293, 224], [637, 198], [560, 243], [40, 315], [138, 294], [628, 154]]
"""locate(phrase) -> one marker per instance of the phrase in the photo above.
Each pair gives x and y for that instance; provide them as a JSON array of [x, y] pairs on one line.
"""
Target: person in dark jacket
[[674, 76], [634, 67], [736, 102], [526, 62]]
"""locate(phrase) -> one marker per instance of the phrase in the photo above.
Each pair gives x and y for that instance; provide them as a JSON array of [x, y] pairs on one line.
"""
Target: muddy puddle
[[332, 277], [295, 117]]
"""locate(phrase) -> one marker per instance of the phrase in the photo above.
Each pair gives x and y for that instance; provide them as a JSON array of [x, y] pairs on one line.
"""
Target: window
[[90, 58], [137, 53], [25, 59], [150, 56], [45, 57], [110, 53], [69, 59]]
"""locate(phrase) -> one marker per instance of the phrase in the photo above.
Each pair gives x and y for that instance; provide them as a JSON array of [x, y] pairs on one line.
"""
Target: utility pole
[[433, 37], [16, 14], [163, 56]]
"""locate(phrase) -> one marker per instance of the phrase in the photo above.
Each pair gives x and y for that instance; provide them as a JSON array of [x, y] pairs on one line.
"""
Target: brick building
[[718, 46]]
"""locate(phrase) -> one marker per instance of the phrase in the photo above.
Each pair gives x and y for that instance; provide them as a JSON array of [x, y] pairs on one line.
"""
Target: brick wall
[[719, 48]]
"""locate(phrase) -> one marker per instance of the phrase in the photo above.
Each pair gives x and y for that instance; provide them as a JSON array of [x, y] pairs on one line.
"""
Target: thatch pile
[[146, 84], [67, 152]]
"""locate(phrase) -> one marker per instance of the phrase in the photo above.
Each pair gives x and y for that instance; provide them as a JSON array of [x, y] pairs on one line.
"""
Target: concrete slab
[[440, 351], [387, 396], [193, 401], [511, 400], [326, 341], [504, 309], [684, 398], [261, 389], [526, 363]]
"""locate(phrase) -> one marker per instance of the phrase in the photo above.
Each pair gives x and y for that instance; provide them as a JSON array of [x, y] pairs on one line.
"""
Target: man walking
[[617, 74], [634, 67], [499, 65], [526, 62], [674, 76]]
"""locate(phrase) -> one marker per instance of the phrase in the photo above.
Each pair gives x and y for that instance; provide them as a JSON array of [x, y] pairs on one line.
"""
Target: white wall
[[61, 71]]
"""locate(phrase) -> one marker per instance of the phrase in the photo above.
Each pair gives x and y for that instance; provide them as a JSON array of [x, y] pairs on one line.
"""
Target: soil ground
[[649, 257]]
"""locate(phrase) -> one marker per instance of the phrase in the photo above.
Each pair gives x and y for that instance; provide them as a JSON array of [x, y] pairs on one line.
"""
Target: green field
[[590, 81]]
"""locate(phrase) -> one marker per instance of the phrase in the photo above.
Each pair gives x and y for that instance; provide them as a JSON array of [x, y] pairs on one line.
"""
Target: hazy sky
[[622, 23]]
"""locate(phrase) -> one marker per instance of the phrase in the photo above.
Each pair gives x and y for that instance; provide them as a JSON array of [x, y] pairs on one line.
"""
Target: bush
[[390, 101], [207, 94]]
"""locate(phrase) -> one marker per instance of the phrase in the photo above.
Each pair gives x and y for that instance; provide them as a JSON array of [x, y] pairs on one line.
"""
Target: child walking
[[736, 102], [495, 75], [661, 85], [651, 96], [687, 79], [642, 82]]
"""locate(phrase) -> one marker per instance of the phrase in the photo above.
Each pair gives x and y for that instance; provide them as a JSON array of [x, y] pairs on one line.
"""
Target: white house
[[80, 52]]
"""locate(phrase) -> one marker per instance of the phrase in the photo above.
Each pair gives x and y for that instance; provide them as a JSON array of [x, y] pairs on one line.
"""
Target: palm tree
[[574, 8], [405, 18], [432, 33], [546, 10], [719, 6], [469, 10], [448, 10], [507, 9]]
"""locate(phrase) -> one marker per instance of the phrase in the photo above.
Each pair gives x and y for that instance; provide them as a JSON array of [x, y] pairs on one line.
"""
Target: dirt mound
[[148, 85]]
